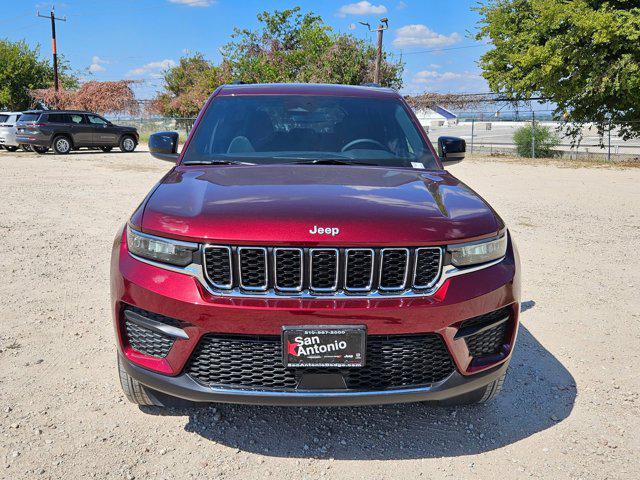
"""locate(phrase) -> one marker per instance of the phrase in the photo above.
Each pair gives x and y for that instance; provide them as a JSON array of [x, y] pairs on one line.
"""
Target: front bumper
[[182, 297], [183, 386]]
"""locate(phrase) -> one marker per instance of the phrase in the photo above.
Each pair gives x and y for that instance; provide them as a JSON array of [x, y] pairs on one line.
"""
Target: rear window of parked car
[[58, 118], [29, 117], [64, 118]]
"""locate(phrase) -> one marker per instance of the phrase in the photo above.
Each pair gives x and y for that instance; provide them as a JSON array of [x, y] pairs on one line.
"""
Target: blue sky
[[137, 39]]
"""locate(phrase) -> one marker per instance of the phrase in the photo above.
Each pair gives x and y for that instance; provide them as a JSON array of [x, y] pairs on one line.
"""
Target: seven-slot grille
[[394, 361], [322, 270]]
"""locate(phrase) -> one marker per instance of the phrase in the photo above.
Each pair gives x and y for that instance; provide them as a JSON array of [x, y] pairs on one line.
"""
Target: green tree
[[188, 85], [22, 70], [545, 141], [288, 46], [294, 47], [584, 55]]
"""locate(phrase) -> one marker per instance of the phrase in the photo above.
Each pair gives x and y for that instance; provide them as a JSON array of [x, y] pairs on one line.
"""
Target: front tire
[[40, 150], [142, 395], [62, 145], [134, 390], [127, 144]]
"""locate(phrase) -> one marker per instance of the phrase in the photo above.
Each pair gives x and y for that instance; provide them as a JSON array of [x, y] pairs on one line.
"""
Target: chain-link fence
[[533, 137], [147, 126]]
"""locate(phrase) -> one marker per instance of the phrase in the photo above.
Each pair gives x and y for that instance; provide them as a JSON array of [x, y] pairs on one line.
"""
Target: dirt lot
[[570, 408]]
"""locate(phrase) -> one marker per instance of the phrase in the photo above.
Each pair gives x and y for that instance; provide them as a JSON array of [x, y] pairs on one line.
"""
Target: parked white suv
[[8, 130]]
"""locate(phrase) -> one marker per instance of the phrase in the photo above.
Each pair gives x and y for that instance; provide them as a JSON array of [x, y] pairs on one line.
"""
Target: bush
[[545, 141]]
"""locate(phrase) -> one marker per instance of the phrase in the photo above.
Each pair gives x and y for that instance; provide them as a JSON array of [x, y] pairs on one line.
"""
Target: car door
[[104, 132], [81, 131]]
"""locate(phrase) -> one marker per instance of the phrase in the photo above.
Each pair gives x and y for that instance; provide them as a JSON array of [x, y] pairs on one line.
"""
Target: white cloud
[[194, 3], [432, 76], [401, 5], [361, 8], [432, 80], [153, 69], [421, 35], [96, 64]]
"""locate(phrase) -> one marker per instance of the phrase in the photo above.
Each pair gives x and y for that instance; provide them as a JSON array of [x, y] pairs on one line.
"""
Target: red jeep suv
[[308, 248]]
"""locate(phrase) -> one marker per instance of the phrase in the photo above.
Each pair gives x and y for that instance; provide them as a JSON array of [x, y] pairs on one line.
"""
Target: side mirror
[[164, 146], [451, 149]]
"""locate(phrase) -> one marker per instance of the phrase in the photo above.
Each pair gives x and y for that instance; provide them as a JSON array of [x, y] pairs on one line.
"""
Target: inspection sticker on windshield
[[417, 165]]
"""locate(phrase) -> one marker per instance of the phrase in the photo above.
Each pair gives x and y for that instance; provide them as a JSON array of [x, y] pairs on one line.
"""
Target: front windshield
[[267, 129]]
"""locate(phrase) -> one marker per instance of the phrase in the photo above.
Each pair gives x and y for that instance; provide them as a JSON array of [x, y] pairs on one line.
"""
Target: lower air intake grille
[[486, 334], [487, 342], [256, 362], [149, 342]]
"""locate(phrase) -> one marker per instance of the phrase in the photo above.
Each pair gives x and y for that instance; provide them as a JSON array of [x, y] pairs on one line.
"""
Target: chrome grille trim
[[346, 269], [195, 271], [415, 267], [336, 253], [297, 288], [406, 268], [206, 271], [262, 287]]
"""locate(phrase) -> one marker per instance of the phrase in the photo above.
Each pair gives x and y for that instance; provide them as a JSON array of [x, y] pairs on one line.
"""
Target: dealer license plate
[[324, 346]]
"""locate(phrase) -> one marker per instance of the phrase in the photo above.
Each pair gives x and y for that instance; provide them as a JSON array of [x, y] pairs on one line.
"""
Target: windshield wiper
[[216, 162], [333, 161]]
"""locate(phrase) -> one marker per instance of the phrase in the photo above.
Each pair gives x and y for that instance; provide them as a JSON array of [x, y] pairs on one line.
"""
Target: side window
[[56, 118], [75, 118], [95, 120]]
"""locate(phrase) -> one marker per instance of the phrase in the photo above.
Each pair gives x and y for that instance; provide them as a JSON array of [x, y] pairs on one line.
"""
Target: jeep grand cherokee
[[66, 130], [308, 248]]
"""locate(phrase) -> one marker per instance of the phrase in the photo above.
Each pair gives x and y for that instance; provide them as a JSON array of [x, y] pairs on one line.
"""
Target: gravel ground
[[570, 407]]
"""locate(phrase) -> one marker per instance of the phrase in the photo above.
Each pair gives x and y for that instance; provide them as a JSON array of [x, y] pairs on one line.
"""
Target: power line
[[444, 49]]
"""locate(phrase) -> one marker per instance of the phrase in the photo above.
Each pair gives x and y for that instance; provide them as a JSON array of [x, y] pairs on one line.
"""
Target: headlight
[[478, 252], [159, 249]]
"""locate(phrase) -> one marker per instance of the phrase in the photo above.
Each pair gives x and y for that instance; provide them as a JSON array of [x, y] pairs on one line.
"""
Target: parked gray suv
[[66, 130]]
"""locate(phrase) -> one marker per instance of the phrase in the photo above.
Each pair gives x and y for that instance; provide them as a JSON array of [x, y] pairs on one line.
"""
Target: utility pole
[[53, 18], [384, 25]]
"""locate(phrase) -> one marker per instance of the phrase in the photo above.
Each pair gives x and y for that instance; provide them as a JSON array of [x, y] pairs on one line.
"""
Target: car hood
[[287, 204]]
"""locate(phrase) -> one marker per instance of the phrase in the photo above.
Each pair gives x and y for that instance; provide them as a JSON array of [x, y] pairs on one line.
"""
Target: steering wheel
[[355, 142]]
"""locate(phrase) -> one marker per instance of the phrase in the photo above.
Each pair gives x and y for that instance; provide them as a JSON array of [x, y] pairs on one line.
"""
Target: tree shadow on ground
[[538, 393]]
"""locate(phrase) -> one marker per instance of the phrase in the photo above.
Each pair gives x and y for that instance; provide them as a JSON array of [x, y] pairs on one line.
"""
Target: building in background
[[436, 117]]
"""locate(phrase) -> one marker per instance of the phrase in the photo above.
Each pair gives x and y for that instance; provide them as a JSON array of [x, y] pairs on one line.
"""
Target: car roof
[[10, 113], [308, 89], [59, 111]]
